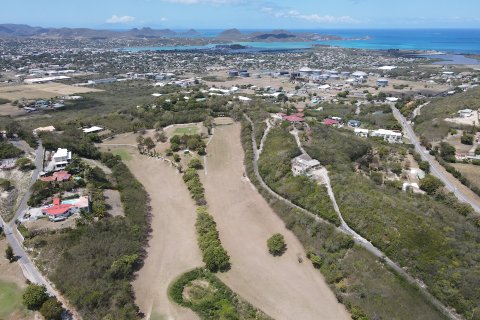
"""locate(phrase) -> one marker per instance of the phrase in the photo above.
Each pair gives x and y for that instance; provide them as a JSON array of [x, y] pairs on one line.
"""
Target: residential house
[[61, 158], [303, 164], [387, 135]]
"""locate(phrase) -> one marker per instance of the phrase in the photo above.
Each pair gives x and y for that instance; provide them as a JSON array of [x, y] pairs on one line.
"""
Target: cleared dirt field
[[280, 286], [470, 171], [41, 91], [173, 245]]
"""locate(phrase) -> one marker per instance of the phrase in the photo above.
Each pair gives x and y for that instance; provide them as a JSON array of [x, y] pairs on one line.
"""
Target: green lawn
[[10, 299], [123, 154], [186, 130]]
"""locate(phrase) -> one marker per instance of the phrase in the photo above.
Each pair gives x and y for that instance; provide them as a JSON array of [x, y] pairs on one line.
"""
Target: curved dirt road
[[279, 286], [173, 247]]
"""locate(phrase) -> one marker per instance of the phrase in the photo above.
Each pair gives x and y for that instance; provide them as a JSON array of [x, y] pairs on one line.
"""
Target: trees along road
[[435, 168]]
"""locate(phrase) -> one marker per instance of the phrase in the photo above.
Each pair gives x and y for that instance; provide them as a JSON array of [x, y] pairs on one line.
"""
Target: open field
[[123, 154], [12, 282], [280, 286], [10, 110], [186, 130], [173, 247], [114, 202], [469, 171], [41, 91], [474, 120]]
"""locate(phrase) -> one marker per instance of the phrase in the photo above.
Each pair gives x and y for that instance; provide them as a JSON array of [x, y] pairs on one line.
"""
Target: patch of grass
[[10, 299], [189, 131], [469, 171], [123, 154]]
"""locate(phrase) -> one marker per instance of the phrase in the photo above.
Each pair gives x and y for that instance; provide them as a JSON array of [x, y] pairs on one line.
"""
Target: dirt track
[[173, 246], [281, 287]]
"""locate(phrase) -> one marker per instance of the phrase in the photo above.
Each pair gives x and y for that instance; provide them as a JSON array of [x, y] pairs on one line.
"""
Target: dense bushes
[[276, 245], [358, 279], [275, 168], [215, 256], [34, 296], [8, 150], [194, 185], [210, 298], [73, 139], [101, 256], [430, 184]]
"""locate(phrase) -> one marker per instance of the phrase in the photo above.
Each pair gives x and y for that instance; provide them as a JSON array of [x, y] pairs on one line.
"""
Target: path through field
[[280, 286], [173, 247]]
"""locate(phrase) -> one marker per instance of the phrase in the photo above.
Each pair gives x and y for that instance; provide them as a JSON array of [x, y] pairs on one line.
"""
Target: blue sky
[[244, 14]]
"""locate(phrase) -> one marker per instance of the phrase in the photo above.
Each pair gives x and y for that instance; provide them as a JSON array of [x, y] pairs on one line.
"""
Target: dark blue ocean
[[458, 41]]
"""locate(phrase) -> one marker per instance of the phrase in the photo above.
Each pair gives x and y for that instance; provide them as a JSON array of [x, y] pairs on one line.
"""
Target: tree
[[276, 244], [467, 139], [430, 184], [447, 152], [425, 166], [24, 164], [52, 309], [195, 163], [161, 137], [9, 254], [34, 296], [5, 184]]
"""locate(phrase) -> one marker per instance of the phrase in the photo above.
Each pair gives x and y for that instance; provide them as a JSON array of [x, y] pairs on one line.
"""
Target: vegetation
[[275, 168], [431, 125], [24, 164], [215, 256], [35, 296], [430, 184], [9, 255], [101, 256], [192, 142], [5, 184], [52, 309], [194, 185], [276, 245], [10, 299], [360, 281], [73, 139], [8, 150], [207, 296]]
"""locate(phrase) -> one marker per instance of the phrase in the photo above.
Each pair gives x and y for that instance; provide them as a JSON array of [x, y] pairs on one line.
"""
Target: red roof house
[[330, 122], [57, 176], [57, 211]]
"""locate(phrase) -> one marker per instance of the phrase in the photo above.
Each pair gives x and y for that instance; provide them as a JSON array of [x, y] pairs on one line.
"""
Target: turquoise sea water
[[457, 41]]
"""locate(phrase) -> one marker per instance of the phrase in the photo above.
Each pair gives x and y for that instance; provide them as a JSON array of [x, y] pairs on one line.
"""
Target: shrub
[[8, 150], [9, 254], [52, 309], [215, 256], [467, 139], [195, 163], [34, 296], [24, 164], [276, 245], [430, 184], [5, 184]]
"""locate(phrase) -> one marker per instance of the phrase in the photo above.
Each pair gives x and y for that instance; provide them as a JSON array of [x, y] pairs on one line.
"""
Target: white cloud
[[120, 19], [313, 17]]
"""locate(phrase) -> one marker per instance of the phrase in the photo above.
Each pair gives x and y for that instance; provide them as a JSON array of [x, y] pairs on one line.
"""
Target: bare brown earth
[[280, 286], [173, 247], [41, 91]]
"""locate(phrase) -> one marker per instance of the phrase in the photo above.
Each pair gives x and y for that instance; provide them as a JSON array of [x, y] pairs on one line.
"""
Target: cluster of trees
[[24, 164], [73, 139], [445, 154], [216, 301], [192, 142], [35, 297], [354, 274], [194, 185], [276, 245], [275, 167], [215, 256], [430, 184], [14, 129], [8, 150], [102, 256]]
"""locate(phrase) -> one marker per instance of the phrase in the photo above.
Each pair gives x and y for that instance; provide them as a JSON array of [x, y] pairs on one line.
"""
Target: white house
[[303, 163], [363, 133], [61, 158], [388, 135], [465, 113]]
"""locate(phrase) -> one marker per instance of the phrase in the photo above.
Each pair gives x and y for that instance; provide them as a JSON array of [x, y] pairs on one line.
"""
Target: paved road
[[435, 168], [346, 229]]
